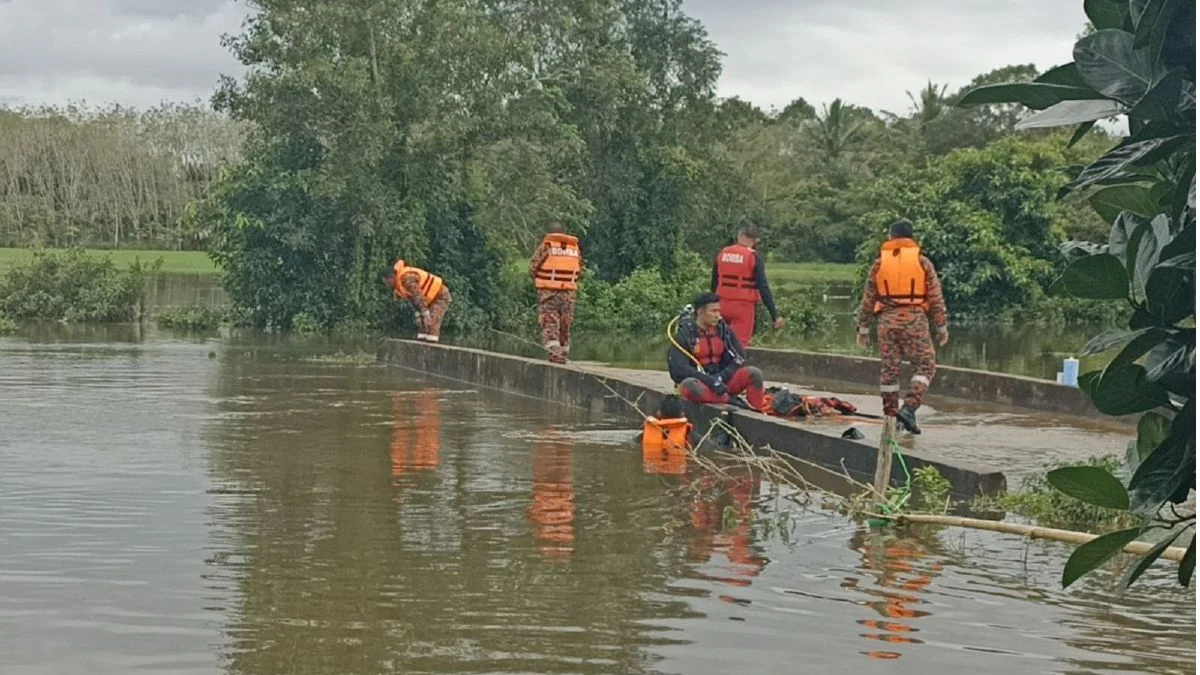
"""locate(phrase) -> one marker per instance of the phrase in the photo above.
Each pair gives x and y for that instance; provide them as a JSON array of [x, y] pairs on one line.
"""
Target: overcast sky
[[140, 52]]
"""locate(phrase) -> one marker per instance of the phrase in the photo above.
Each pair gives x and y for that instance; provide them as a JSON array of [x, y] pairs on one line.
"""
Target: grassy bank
[[182, 262]]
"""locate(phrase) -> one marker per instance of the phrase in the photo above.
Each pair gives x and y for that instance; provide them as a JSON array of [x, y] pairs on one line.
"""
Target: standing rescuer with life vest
[[903, 290], [555, 268], [427, 294], [706, 360], [740, 281]]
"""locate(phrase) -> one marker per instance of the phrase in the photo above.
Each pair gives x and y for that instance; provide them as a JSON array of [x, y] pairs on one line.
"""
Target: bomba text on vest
[[733, 258]]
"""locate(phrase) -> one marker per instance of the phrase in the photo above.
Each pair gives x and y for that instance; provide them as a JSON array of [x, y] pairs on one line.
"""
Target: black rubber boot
[[907, 417]]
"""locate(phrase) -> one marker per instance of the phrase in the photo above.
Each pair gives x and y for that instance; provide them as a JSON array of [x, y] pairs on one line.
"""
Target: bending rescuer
[[425, 292], [903, 291]]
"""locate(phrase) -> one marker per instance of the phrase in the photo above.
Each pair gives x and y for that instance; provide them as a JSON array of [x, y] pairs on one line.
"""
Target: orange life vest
[[665, 436], [900, 279], [560, 270], [735, 274], [430, 284]]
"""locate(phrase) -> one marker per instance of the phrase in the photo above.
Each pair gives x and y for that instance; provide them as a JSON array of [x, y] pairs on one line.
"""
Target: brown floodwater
[[238, 506]]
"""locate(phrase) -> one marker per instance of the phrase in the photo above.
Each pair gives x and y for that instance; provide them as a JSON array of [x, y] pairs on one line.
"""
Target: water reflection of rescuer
[[705, 359]]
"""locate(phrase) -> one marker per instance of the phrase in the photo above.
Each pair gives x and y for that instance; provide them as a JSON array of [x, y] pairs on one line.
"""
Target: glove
[[718, 387]]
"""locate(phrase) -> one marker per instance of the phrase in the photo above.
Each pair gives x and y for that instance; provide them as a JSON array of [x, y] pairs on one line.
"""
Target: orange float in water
[[665, 436], [665, 445]]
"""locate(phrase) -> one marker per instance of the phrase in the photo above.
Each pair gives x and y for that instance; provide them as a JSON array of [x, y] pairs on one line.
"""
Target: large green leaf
[[1109, 64], [1091, 555], [1066, 75], [1151, 19], [1072, 112], [1185, 261], [1152, 430], [1087, 382], [1124, 226], [1111, 201], [1123, 390], [1095, 277], [1188, 565], [1182, 242], [1139, 346], [1168, 467], [1159, 476], [1162, 102], [1168, 358], [1119, 160], [1036, 95], [1107, 13], [1091, 484], [1171, 294], [1136, 570], [1142, 253], [1109, 339]]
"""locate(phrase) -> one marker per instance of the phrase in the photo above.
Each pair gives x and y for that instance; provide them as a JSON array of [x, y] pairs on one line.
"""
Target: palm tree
[[835, 129], [929, 104]]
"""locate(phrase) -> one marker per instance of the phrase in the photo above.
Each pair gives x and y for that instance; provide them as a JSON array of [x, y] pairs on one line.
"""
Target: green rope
[[894, 505]]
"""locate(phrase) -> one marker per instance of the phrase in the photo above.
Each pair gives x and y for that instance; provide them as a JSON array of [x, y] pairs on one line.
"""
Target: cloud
[[135, 52], [869, 52]]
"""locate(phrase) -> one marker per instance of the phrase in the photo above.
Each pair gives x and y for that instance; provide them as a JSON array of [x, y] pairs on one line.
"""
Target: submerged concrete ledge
[[963, 384], [606, 390]]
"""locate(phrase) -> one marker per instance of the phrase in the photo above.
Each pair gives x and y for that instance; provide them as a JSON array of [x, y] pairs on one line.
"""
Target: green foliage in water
[[192, 317], [75, 287], [1140, 62], [7, 325], [932, 490], [1039, 501]]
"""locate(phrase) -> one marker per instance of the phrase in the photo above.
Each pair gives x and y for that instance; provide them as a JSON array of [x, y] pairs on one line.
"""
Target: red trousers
[[740, 317], [746, 379]]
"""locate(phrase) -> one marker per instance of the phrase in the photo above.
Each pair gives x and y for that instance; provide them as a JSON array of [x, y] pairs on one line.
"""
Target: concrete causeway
[[976, 448]]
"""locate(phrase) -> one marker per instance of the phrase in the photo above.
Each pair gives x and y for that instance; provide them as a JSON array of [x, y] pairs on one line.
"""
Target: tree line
[[108, 177], [450, 132]]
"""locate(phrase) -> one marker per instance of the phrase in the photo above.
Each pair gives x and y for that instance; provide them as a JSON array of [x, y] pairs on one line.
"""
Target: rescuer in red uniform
[[740, 281]]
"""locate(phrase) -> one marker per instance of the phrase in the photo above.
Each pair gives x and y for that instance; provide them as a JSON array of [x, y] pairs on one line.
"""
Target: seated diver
[[706, 360]]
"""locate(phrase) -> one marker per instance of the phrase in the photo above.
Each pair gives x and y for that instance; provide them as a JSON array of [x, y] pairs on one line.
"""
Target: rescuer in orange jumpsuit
[[555, 268], [427, 294], [903, 290]]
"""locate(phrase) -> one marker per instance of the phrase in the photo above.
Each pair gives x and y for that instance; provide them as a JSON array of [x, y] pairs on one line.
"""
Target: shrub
[[73, 286], [642, 302]]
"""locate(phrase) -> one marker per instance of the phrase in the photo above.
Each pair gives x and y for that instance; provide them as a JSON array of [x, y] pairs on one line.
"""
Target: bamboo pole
[[1175, 553], [883, 462]]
